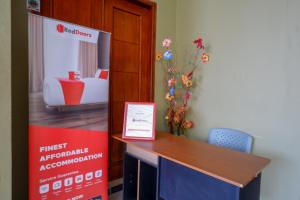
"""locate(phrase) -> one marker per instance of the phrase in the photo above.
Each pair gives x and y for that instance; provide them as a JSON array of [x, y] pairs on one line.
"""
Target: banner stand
[[68, 110]]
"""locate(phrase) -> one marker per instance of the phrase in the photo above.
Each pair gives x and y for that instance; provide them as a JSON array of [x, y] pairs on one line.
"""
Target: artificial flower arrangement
[[179, 84]]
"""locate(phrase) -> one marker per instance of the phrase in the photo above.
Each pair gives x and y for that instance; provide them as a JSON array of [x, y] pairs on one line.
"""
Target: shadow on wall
[[19, 83]]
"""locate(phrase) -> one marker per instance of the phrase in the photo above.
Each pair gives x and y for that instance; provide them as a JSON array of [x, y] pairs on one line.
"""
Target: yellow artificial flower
[[189, 83]]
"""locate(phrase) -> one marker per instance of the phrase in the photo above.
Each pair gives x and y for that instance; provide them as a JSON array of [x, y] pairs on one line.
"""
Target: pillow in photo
[[103, 74]]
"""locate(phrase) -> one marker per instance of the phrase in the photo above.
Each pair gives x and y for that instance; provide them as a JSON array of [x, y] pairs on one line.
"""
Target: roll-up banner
[[68, 110]]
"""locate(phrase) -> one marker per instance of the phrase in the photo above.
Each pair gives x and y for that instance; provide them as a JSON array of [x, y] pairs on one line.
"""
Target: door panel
[[83, 12], [79, 12], [131, 24], [47, 8], [125, 87], [127, 60], [126, 26]]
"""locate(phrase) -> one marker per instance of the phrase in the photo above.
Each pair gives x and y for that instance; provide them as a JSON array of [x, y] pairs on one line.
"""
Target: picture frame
[[139, 121]]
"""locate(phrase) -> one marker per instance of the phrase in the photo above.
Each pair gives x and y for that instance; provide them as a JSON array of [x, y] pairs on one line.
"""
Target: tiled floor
[[116, 196]]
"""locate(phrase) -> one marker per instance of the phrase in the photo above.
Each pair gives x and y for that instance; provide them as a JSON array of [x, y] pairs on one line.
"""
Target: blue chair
[[232, 139]]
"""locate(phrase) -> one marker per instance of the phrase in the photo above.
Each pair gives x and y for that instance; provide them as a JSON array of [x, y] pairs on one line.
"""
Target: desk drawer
[[177, 182]]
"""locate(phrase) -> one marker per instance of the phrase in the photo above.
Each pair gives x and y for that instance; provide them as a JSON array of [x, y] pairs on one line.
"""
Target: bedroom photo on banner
[[68, 110]]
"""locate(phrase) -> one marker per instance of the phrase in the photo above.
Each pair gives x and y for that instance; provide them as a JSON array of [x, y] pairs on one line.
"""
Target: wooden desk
[[234, 168]]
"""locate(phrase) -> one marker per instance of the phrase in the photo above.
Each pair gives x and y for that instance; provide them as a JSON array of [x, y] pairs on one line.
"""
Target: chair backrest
[[230, 138]]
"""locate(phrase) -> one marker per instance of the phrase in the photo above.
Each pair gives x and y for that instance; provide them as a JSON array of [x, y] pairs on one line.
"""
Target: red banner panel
[[67, 163]]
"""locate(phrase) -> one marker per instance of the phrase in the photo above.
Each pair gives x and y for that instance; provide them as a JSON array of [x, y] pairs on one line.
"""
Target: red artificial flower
[[190, 74], [199, 43], [187, 96]]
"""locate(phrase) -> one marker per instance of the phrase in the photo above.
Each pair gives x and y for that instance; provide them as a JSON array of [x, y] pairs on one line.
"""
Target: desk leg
[[140, 179], [252, 190], [130, 177]]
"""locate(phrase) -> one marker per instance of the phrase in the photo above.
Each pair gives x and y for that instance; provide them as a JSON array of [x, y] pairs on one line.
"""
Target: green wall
[[250, 84], [5, 100], [252, 81], [165, 27]]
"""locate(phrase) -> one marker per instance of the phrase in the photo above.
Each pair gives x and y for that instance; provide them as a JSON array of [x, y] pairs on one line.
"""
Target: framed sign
[[139, 121]]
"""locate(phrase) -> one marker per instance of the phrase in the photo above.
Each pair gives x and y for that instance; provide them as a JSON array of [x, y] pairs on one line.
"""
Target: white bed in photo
[[95, 91]]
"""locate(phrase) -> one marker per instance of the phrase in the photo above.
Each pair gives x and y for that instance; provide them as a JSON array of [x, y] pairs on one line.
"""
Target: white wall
[[60, 55], [5, 100], [252, 82]]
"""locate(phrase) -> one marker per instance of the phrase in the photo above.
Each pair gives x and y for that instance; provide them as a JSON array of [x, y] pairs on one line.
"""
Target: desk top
[[230, 166]]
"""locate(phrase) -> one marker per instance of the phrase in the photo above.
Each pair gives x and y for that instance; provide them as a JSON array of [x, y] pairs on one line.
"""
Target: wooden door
[[132, 24], [83, 12]]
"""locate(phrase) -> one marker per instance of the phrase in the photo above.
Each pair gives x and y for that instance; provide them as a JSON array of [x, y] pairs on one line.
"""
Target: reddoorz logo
[[61, 29]]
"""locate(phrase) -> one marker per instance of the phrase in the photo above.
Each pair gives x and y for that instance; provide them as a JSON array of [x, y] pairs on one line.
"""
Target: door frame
[[152, 6]]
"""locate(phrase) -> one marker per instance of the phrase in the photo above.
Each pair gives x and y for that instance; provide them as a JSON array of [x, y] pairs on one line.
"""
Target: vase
[[171, 128], [180, 131]]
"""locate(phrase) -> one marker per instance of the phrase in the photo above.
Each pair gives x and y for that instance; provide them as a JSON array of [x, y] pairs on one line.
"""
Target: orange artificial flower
[[187, 124], [205, 57], [169, 97], [186, 81], [177, 117], [179, 114], [158, 56]]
